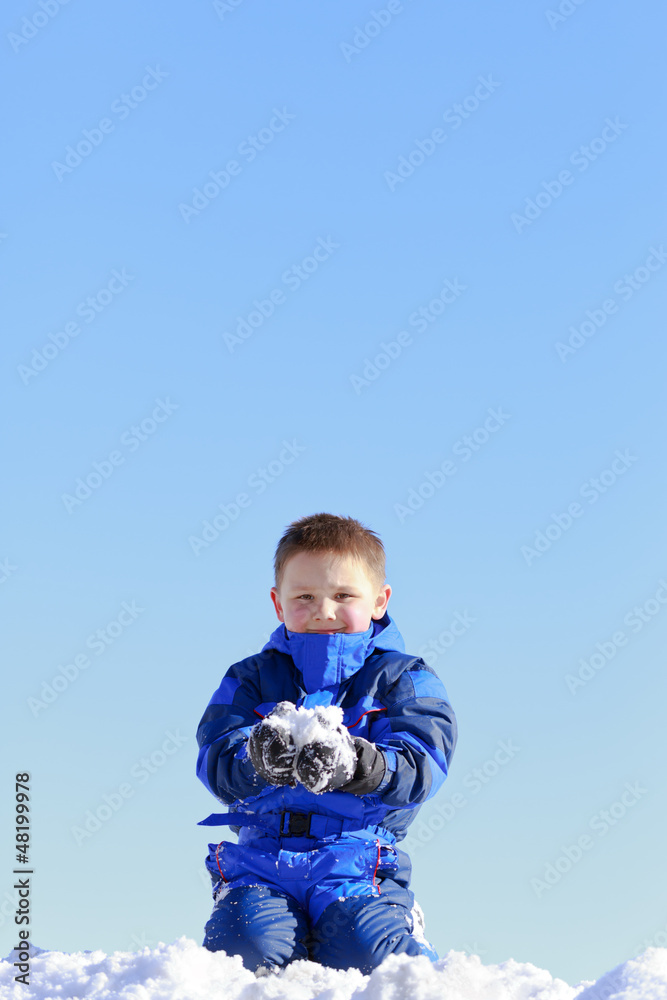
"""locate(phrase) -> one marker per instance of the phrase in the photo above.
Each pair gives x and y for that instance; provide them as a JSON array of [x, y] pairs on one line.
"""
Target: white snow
[[322, 724], [308, 725], [419, 925], [186, 971]]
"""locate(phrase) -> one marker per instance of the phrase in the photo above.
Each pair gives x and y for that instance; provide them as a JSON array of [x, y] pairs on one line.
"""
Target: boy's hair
[[331, 533]]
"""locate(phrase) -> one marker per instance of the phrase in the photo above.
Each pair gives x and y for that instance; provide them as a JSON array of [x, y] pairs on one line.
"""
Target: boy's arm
[[223, 765], [417, 735]]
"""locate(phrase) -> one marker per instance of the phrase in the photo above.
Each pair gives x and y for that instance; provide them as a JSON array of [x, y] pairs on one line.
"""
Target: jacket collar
[[326, 660]]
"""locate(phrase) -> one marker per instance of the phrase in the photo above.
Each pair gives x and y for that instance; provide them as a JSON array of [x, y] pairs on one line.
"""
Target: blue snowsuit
[[319, 876]]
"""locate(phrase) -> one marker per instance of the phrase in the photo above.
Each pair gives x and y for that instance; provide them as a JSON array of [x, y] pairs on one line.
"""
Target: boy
[[316, 873]]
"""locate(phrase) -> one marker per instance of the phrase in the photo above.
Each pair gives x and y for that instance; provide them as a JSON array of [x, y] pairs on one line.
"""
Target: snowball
[[322, 725]]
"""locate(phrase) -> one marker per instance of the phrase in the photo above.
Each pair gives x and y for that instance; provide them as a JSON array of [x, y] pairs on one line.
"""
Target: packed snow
[[186, 971], [323, 726]]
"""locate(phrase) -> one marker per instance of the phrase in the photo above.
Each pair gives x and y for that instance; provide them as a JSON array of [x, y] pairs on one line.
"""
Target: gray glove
[[271, 748]]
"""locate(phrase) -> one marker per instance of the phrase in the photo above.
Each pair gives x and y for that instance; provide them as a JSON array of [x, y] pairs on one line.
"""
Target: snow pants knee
[[264, 926], [345, 904]]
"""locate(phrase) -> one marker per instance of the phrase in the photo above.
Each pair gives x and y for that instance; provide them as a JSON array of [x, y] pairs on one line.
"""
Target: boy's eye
[[310, 595]]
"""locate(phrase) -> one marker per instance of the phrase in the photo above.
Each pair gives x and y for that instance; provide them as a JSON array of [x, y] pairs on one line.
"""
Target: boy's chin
[[336, 631]]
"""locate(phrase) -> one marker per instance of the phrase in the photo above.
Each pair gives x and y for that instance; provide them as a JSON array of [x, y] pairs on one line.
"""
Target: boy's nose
[[327, 609]]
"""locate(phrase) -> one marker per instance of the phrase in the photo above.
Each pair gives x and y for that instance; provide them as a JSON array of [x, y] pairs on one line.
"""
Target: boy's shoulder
[[390, 669]]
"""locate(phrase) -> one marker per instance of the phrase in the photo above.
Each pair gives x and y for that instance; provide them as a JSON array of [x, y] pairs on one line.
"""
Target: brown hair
[[331, 533]]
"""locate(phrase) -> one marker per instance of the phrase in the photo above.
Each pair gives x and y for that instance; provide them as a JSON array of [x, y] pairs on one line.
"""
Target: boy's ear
[[381, 601], [277, 604]]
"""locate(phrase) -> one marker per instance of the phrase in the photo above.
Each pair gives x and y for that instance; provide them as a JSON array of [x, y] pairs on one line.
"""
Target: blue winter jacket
[[390, 698]]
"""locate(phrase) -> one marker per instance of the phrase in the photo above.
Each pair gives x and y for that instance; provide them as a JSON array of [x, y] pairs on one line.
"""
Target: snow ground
[[186, 971]]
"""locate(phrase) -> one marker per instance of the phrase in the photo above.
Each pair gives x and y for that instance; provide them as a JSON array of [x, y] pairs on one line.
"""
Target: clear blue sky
[[517, 157]]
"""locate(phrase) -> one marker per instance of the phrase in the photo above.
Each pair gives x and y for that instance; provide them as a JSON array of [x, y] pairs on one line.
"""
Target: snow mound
[[645, 977], [321, 726], [186, 971]]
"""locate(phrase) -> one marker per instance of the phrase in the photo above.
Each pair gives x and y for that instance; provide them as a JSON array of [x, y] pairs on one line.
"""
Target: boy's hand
[[332, 760], [370, 770], [318, 769], [271, 749], [326, 763]]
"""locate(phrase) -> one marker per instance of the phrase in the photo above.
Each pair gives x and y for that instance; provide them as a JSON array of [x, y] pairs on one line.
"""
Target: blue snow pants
[[344, 902]]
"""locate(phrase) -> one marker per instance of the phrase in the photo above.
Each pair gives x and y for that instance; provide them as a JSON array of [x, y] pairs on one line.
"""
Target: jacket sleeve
[[222, 735], [417, 735]]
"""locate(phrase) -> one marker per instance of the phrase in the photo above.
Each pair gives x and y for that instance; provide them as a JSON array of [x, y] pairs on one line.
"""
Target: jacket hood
[[326, 660]]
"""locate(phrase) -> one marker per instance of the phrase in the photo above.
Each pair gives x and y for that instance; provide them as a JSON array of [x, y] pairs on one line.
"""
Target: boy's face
[[322, 592]]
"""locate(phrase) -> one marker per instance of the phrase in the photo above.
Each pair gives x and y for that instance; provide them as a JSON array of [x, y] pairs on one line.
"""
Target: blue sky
[[410, 265]]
